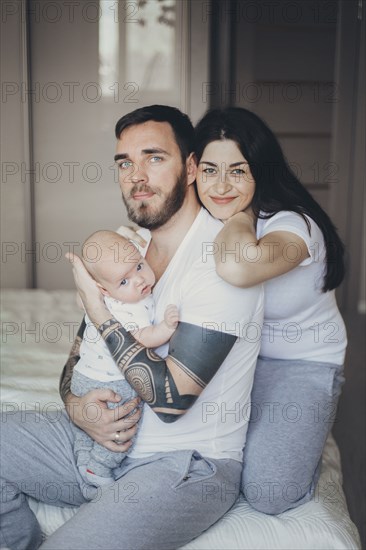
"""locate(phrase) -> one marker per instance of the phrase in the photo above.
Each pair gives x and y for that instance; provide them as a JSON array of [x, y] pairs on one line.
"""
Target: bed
[[38, 328]]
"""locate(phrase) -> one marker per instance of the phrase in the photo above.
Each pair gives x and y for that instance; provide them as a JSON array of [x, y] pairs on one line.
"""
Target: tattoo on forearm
[[189, 373], [149, 374], [168, 393], [140, 377], [66, 375]]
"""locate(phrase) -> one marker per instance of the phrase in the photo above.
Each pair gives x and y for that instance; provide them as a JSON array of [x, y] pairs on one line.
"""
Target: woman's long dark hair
[[277, 187]]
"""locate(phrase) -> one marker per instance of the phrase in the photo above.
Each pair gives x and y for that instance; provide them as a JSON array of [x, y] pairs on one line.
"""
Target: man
[[185, 465]]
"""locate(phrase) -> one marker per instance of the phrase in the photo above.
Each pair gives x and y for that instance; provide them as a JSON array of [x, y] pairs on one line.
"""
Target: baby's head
[[117, 266]]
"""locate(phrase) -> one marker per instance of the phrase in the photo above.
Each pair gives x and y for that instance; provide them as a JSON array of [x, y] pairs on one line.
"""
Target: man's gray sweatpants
[[161, 502]]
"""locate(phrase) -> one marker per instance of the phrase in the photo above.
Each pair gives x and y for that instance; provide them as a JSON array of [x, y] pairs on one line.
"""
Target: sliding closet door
[[288, 79], [92, 62]]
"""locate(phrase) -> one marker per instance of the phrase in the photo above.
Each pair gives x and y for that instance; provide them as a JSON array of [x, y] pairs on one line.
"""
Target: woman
[[275, 233]]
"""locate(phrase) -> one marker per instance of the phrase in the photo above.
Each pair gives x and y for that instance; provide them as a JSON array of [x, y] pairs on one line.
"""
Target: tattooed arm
[[169, 386], [65, 380]]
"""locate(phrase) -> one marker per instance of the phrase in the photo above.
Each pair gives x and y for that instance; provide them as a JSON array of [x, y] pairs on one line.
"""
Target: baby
[[125, 279]]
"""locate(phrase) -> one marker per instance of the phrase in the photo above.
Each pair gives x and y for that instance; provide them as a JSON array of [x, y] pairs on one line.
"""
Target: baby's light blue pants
[[90, 455]]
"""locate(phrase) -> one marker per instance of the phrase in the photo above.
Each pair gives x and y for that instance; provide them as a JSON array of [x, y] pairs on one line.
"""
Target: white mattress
[[37, 332]]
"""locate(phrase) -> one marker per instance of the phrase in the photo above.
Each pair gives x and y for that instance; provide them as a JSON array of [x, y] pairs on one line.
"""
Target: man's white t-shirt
[[216, 424], [301, 321]]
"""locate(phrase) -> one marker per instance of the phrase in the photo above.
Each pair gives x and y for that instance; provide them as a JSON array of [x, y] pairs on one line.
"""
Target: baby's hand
[[171, 316]]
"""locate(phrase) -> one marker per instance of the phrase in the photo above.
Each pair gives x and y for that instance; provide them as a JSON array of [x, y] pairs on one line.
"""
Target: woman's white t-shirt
[[301, 321]]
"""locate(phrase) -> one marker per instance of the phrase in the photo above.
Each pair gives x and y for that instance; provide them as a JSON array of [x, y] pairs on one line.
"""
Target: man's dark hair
[[180, 123]]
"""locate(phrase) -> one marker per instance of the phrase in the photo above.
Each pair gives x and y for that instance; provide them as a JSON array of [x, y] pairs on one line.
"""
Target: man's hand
[[88, 290], [130, 234], [171, 316], [79, 302], [104, 425]]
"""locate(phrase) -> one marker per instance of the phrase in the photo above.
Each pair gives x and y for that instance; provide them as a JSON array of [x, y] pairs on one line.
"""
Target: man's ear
[[103, 290], [191, 166]]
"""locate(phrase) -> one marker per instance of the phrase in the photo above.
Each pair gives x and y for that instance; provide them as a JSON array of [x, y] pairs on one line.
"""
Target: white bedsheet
[[37, 331]]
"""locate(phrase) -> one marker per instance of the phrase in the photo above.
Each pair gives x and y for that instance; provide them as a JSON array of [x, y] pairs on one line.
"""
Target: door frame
[[347, 206]]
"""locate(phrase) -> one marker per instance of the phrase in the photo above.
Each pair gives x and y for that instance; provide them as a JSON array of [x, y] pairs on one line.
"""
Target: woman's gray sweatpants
[[294, 405], [161, 502]]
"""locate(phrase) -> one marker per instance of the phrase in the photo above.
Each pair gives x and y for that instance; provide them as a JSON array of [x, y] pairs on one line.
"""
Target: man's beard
[[153, 220]]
